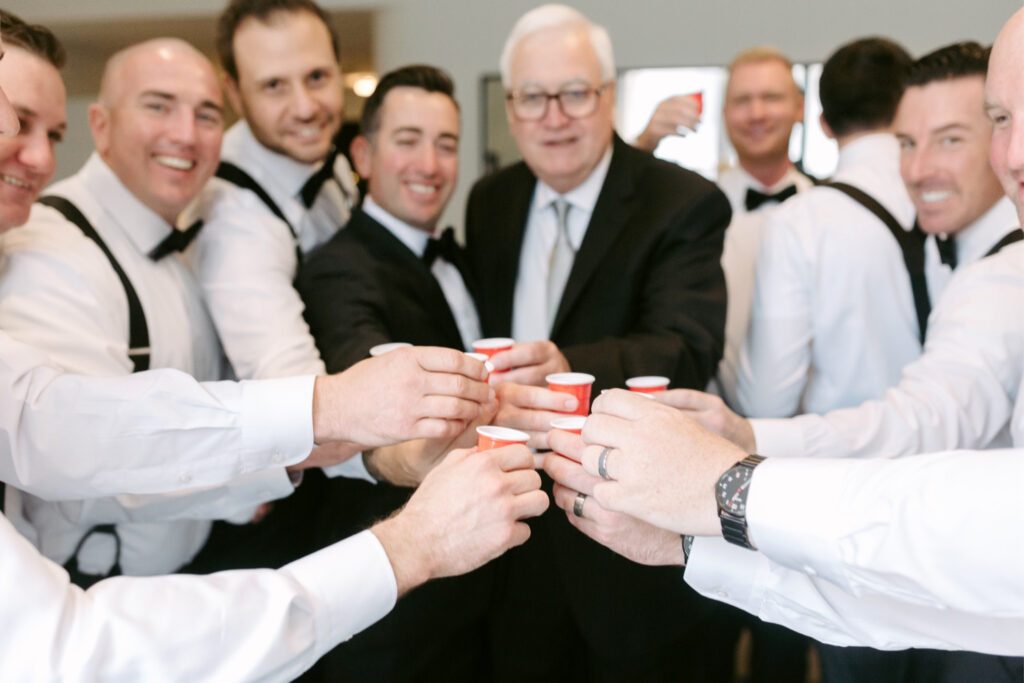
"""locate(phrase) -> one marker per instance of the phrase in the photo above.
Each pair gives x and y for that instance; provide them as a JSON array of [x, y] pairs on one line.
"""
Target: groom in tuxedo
[[595, 257], [389, 278]]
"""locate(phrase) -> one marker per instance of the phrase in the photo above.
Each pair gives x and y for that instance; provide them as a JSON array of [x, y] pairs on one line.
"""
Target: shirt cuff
[[727, 573], [792, 515], [277, 420], [777, 437], [353, 468], [351, 584]]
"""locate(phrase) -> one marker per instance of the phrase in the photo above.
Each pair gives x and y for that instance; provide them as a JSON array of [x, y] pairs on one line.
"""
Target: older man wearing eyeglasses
[[594, 257]]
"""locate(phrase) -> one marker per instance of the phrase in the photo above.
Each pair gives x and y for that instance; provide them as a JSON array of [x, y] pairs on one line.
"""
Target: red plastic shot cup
[[569, 424], [699, 97], [576, 383], [649, 384], [492, 346], [381, 349], [489, 436]]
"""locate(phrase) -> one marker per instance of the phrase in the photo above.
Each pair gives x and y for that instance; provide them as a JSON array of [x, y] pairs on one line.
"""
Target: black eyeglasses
[[576, 102]]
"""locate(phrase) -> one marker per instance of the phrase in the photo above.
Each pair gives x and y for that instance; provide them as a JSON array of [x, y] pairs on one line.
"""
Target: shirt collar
[[583, 196], [282, 176], [974, 241], [867, 149], [143, 227], [414, 238]]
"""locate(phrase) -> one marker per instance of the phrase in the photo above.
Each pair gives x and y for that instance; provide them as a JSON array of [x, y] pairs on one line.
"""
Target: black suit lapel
[[423, 285], [507, 242], [609, 218]]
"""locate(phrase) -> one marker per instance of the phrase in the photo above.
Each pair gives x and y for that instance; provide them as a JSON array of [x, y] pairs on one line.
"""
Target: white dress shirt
[[59, 292], [739, 253], [529, 303], [244, 257], [58, 439], [916, 552], [972, 243], [832, 320], [252, 625], [460, 302], [959, 394]]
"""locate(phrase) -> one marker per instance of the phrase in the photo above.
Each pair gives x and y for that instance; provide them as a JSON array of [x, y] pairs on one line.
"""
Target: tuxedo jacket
[[646, 294], [364, 287]]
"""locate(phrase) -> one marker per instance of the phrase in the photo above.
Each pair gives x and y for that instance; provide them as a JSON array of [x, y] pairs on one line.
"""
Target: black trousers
[[855, 664]]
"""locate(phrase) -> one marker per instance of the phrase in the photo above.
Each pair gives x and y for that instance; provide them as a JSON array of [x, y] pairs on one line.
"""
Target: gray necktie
[[560, 261]]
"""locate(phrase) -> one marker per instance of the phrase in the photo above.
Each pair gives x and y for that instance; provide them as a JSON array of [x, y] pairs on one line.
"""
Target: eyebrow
[[419, 131], [950, 127]]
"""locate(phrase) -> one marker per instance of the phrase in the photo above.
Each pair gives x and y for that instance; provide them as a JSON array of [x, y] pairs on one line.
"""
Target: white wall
[[466, 36]]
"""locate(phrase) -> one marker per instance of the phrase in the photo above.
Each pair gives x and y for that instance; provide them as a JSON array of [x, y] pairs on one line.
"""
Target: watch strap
[[734, 527]]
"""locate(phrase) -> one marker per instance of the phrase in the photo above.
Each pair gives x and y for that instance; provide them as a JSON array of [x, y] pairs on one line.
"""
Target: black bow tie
[[755, 199], [947, 250], [316, 181], [445, 246], [178, 240]]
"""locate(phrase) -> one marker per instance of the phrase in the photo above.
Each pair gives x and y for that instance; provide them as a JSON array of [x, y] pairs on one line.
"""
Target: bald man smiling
[[94, 279]]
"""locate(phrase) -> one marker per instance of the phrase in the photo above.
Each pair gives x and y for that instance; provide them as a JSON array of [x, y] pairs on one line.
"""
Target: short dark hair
[[952, 61], [33, 38], [861, 84], [238, 11], [422, 76]]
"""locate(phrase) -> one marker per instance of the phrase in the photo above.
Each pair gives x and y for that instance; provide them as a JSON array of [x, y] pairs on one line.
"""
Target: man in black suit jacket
[[645, 295], [371, 284]]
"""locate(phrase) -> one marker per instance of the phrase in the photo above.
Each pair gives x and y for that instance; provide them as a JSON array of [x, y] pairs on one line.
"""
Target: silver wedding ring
[[602, 463], [577, 506]]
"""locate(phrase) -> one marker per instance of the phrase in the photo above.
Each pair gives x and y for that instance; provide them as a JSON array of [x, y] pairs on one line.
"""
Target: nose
[[36, 153], [303, 104], [554, 117], [915, 164], [183, 126], [426, 161]]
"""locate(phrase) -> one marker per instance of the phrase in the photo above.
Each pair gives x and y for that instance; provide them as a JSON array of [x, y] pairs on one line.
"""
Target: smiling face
[[289, 85], [158, 124], [762, 104], [561, 151], [27, 160], [412, 160], [944, 141]]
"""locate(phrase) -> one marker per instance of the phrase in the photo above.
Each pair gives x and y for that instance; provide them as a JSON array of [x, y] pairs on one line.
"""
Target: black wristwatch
[[731, 495]]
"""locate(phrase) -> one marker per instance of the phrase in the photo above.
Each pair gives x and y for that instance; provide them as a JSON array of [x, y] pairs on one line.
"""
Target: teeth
[[17, 182], [421, 189], [935, 196], [307, 132], [175, 162]]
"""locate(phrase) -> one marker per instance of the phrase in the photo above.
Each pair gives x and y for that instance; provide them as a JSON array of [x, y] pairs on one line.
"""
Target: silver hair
[[563, 17]]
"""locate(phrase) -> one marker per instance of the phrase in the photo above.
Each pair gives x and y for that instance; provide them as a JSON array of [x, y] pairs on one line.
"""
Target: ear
[[233, 93], [99, 124], [825, 129], [361, 150]]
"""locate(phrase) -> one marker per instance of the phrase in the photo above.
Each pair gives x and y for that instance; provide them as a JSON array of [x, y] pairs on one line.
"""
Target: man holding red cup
[[595, 257]]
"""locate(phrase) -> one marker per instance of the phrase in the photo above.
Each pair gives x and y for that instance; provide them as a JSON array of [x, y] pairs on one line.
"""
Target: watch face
[[732, 490]]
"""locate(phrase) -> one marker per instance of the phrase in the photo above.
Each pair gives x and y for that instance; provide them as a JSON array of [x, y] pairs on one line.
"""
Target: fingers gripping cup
[[648, 384], [482, 357], [569, 424], [576, 383], [489, 436], [492, 346]]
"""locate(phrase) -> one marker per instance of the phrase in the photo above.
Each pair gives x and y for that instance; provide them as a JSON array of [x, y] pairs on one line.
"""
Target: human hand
[[662, 467], [628, 536], [712, 413], [528, 363], [672, 116], [531, 410], [415, 392], [468, 511], [407, 463]]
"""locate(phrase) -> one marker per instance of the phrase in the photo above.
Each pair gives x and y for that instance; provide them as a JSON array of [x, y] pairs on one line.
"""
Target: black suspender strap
[[1009, 238], [236, 176], [138, 330], [911, 243]]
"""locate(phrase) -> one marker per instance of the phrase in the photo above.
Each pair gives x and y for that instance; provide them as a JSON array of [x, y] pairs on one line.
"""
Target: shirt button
[[185, 478]]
